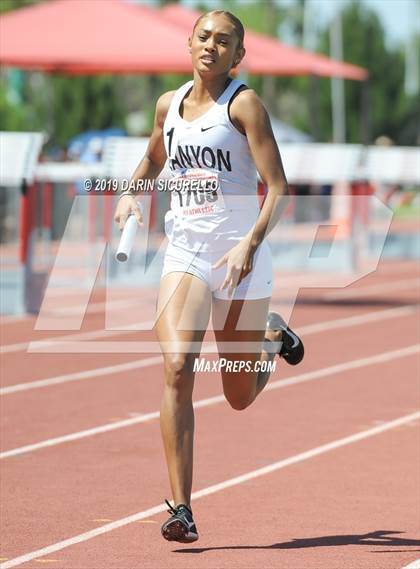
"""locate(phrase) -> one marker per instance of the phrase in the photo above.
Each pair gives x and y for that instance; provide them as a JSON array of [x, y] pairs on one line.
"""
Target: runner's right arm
[[150, 165]]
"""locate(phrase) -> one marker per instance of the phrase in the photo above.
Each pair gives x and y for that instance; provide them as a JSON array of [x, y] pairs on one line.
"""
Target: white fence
[[308, 163], [305, 164]]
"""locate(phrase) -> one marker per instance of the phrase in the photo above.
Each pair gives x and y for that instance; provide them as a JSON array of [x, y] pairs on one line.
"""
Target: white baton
[[127, 239]]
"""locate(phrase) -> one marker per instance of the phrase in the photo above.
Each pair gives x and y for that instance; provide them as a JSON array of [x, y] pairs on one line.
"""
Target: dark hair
[[237, 24]]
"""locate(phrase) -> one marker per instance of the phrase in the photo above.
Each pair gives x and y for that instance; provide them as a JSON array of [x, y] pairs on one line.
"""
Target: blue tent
[[78, 144]]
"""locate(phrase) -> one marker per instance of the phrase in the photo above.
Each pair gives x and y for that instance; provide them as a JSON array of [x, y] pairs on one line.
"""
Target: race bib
[[196, 192]]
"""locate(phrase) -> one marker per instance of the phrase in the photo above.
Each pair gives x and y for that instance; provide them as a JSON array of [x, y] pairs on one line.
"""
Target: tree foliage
[[7, 5], [65, 106], [389, 108]]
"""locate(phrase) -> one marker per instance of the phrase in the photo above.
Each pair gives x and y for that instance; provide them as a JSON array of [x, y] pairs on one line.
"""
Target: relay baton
[[127, 239]]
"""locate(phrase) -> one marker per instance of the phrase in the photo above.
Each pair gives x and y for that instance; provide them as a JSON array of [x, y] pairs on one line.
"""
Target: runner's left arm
[[249, 115]]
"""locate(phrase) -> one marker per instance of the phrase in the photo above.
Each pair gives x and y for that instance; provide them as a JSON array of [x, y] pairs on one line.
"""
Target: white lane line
[[307, 330], [77, 376], [79, 336], [316, 451], [93, 307], [13, 318], [124, 302], [18, 347], [396, 268], [352, 292], [21, 346], [280, 383], [141, 347], [414, 565], [72, 309], [350, 321]]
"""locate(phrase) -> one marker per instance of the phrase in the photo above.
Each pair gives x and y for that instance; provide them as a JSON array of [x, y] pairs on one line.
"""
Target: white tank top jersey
[[212, 147]]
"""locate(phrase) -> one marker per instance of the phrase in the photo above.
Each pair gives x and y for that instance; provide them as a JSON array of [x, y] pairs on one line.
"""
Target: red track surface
[[353, 507]]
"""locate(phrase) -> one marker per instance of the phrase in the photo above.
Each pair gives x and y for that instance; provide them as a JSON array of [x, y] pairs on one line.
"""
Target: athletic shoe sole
[[175, 530]]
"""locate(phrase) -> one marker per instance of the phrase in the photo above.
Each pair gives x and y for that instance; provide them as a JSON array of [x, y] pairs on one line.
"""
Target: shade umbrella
[[99, 36], [93, 36], [266, 55]]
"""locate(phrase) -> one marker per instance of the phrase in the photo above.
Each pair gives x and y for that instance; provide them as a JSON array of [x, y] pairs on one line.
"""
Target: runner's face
[[214, 45]]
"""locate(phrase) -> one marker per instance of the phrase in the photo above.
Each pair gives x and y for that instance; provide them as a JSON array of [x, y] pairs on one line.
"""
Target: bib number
[[196, 193]]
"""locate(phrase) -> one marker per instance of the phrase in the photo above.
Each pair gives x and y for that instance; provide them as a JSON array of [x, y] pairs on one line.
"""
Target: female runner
[[215, 132]]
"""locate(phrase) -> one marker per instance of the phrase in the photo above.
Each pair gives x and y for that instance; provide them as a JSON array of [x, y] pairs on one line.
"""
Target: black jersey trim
[[241, 87]]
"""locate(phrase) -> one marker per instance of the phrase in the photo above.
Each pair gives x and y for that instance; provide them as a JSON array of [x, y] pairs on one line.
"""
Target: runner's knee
[[178, 372], [238, 398], [238, 403]]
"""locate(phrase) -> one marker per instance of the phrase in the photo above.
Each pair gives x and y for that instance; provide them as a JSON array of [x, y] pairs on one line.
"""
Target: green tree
[[59, 104], [12, 116], [12, 112], [389, 108], [7, 5], [83, 103]]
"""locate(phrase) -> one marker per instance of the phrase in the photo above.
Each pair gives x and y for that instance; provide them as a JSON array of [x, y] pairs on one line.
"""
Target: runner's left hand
[[239, 262]]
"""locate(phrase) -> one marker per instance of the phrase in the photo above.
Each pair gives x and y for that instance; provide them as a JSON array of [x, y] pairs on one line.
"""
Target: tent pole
[[314, 107], [365, 116], [337, 83]]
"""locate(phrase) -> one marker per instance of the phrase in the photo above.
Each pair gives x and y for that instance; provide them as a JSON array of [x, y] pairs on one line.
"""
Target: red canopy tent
[[99, 36], [93, 36], [266, 55]]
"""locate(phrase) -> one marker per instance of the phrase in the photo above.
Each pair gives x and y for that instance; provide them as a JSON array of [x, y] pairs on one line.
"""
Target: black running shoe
[[180, 526], [292, 349]]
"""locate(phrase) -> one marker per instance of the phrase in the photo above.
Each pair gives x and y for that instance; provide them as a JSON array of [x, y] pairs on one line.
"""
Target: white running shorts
[[258, 284]]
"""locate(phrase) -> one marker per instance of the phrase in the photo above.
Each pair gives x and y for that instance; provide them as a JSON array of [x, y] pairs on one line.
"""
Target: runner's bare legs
[[244, 322], [183, 313]]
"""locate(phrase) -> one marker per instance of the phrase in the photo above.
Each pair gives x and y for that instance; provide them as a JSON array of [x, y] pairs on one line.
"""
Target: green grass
[[407, 211]]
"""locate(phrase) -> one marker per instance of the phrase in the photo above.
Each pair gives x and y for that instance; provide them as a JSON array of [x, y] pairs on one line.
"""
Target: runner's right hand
[[127, 205]]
